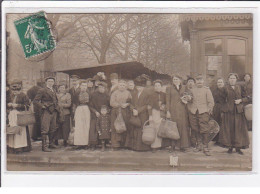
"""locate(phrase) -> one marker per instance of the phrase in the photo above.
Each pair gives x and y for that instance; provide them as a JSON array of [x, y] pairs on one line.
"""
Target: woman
[[233, 133], [17, 102], [156, 108], [248, 89], [119, 101], [219, 95], [177, 112], [99, 98], [82, 118], [91, 88], [129, 142], [64, 101]]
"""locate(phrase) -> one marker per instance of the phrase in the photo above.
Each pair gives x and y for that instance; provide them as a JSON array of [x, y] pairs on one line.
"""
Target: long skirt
[[64, 129], [118, 139], [129, 141], [156, 118], [82, 125], [93, 134], [233, 131], [20, 140]]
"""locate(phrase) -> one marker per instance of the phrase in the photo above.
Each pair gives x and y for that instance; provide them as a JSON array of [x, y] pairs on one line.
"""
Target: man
[[114, 82], [200, 109], [74, 92], [46, 99], [31, 93], [190, 83]]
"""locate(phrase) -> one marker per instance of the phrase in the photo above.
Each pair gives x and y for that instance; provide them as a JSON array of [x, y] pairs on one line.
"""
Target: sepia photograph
[[129, 92]]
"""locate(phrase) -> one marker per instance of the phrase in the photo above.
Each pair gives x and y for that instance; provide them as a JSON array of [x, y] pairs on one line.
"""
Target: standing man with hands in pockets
[[200, 109], [46, 99]]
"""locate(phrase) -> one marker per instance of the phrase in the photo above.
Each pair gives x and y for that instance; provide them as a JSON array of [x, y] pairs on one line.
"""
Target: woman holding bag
[[119, 101], [233, 132], [177, 112], [139, 113], [18, 101], [156, 108]]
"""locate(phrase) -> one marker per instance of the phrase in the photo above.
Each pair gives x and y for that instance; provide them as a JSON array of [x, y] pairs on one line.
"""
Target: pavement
[[67, 159]]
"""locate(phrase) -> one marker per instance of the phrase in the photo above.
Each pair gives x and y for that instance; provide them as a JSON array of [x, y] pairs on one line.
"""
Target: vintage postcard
[[129, 92]]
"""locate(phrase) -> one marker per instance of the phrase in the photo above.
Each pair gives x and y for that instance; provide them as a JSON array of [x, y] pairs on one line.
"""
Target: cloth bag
[[168, 129], [149, 133], [135, 121], [120, 123], [248, 112]]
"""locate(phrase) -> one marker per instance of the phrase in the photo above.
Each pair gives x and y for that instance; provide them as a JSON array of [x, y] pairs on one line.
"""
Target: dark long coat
[[134, 139], [179, 114], [219, 95], [96, 101], [234, 132]]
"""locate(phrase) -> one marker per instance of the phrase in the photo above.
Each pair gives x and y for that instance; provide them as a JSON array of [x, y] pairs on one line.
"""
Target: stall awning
[[125, 70]]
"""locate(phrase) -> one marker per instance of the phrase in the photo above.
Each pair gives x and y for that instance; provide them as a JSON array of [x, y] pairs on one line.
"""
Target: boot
[[51, 141], [205, 144], [44, 144], [206, 150], [65, 143], [239, 151], [56, 142], [103, 147], [230, 150], [199, 142]]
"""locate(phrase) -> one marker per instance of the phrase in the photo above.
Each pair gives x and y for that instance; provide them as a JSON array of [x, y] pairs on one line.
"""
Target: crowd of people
[[87, 113]]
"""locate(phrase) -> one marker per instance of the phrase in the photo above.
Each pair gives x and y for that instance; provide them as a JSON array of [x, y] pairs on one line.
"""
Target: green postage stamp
[[35, 34]]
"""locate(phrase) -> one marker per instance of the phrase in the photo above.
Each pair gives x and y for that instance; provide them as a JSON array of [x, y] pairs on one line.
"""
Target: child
[[103, 126]]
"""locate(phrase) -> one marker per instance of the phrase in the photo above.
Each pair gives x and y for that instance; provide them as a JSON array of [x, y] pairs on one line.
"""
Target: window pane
[[237, 65], [236, 47], [213, 47], [214, 65]]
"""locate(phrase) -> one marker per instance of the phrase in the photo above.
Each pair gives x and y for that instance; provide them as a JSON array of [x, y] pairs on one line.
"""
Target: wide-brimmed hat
[[16, 85]]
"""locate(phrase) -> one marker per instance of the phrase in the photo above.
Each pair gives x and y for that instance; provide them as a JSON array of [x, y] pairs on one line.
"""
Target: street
[[67, 159]]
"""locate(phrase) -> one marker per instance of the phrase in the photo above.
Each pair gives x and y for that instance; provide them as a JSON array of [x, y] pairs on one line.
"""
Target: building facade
[[220, 43]]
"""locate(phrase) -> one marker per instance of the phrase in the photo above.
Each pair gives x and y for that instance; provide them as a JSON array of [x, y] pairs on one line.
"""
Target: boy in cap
[[200, 109], [46, 99]]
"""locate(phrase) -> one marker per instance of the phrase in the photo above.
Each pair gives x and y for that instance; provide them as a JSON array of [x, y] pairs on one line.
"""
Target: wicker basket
[[25, 118]]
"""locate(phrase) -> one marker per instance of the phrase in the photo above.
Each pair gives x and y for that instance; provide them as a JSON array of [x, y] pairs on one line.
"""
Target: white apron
[[82, 125], [156, 118], [16, 140]]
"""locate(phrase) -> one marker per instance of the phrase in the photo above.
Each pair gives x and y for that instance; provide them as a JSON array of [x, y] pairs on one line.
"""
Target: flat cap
[[74, 77], [49, 77], [199, 76]]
